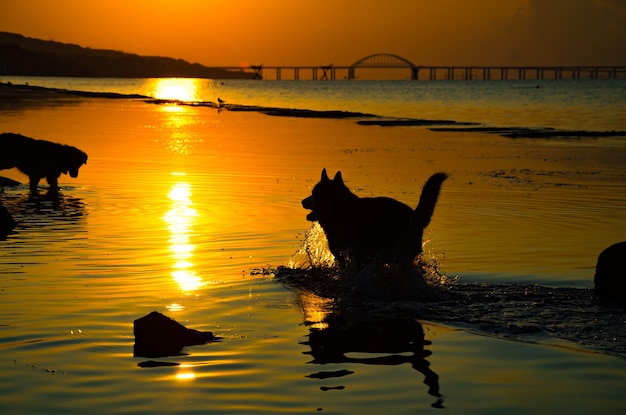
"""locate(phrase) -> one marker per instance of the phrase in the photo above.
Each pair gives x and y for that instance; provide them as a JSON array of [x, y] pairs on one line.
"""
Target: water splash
[[312, 268], [314, 251], [533, 313]]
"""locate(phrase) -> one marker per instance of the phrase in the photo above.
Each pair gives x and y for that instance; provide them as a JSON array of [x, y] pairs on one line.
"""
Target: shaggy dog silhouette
[[362, 229], [40, 158]]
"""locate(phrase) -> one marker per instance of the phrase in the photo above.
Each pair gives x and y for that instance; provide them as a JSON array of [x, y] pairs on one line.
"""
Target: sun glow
[[185, 373], [179, 89], [181, 218], [180, 121]]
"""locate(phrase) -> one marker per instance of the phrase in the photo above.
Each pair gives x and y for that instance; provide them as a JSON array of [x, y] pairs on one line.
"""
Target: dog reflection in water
[[361, 230], [392, 341]]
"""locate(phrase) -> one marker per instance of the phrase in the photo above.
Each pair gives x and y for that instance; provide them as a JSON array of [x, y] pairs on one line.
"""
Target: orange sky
[[317, 32]]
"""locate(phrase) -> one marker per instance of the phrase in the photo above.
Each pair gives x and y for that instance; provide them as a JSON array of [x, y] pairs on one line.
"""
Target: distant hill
[[24, 56]]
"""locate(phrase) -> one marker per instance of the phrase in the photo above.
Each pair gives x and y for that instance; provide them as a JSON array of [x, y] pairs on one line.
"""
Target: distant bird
[[220, 101]]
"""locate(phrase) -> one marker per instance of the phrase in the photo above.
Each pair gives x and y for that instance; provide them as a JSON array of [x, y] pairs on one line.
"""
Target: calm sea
[[186, 210], [571, 104]]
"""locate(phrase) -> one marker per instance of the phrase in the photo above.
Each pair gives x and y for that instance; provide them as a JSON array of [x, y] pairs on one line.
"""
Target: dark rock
[[158, 336], [610, 277], [152, 363], [6, 182], [411, 122], [7, 223], [533, 132], [302, 113]]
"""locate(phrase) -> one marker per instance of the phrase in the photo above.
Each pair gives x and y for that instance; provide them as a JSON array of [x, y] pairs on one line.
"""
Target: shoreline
[[17, 93], [12, 91]]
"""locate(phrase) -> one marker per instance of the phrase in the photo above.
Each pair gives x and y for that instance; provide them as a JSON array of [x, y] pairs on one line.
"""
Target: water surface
[[180, 208]]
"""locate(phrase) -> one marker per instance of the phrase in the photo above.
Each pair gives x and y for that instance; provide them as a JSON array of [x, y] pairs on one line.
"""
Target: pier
[[388, 66]]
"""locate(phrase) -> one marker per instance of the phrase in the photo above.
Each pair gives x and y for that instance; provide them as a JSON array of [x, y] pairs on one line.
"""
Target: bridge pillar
[[351, 72], [325, 75], [468, 74], [258, 71], [415, 73]]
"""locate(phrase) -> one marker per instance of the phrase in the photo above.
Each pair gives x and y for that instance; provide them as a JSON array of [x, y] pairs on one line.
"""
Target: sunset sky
[[294, 32]]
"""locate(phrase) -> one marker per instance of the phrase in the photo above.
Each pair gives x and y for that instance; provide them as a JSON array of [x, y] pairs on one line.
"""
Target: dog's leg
[[34, 182], [53, 181]]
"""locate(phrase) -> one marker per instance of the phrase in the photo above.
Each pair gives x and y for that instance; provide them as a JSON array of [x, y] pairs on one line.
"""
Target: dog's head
[[326, 196], [75, 159]]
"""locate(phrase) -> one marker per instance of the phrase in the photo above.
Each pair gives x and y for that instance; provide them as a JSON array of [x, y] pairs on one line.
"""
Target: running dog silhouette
[[39, 158], [360, 230]]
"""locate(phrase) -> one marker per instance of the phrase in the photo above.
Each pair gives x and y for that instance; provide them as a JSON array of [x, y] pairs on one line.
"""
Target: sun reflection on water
[[180, 219], [185, 374], [180, 89], [315, 309], [180, 121]]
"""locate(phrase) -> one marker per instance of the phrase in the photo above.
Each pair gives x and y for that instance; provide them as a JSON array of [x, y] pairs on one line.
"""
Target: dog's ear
[[338, 177], [324, 175]]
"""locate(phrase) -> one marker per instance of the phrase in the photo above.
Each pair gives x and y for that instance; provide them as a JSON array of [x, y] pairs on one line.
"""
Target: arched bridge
[[383, 60], [390, 61]]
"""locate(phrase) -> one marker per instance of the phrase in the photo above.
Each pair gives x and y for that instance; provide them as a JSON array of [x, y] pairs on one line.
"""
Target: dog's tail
[[428, 199]]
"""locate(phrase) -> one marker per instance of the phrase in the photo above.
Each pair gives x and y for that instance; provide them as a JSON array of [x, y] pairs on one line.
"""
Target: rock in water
[[6, 182], [7, 223], [610, 278], [158, 336]]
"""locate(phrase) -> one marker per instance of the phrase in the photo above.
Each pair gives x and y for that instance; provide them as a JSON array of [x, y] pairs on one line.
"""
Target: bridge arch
[[384, 60]]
